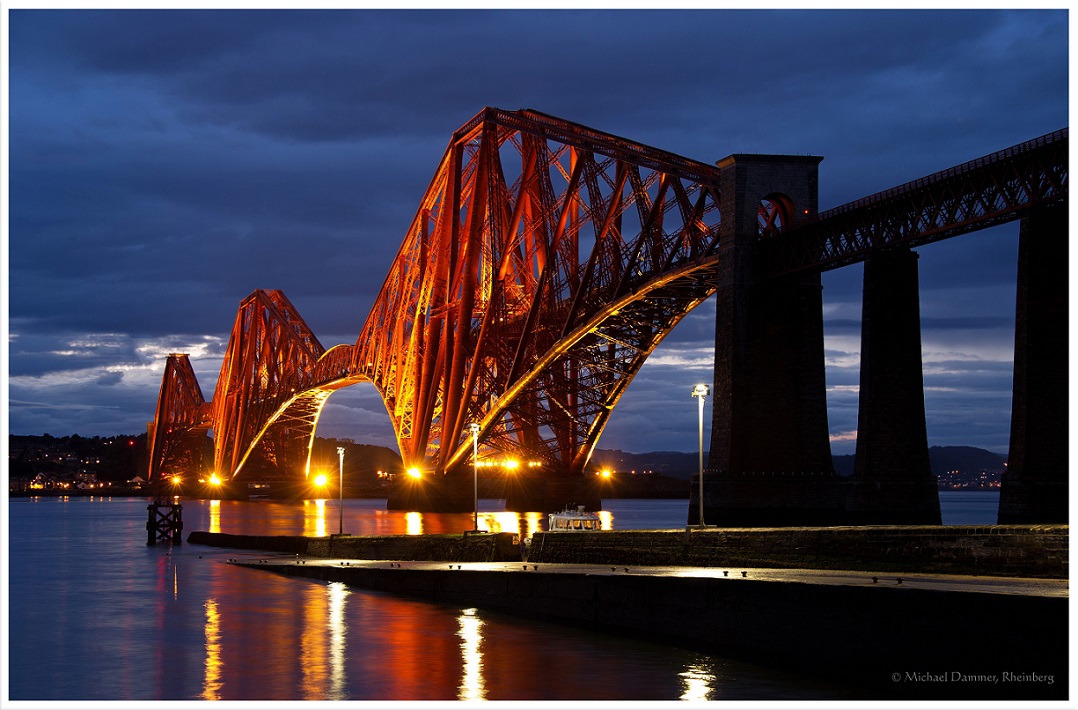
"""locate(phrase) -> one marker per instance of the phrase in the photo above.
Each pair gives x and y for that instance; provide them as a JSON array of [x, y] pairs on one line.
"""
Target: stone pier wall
[[1038, 551], [996, 550]]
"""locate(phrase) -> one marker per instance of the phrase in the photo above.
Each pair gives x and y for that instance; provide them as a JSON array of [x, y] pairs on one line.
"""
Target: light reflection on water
[[697, 680], [211, 686], [471, 652], [95, 614]]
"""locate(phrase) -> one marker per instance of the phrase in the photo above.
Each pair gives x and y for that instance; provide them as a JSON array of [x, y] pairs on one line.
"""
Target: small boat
[[574, 521]]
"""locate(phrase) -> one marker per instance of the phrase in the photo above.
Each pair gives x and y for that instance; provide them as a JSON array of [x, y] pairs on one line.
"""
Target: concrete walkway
[[936, 582]]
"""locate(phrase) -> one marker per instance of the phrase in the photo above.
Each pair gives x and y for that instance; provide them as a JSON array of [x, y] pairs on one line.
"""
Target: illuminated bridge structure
[[547, 260]]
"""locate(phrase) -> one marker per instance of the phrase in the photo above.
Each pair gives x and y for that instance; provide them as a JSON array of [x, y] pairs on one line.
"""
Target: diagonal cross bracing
[[997, 188], [545, 262], [531, 228]]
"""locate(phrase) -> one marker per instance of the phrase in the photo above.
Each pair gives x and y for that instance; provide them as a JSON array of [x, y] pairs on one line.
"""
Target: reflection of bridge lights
[[697, 682], [211, 684], [413, 522], [314, 517], [415, 472], [337, 647], [320, 480], [215, 516], [472, 685], [502, 522]]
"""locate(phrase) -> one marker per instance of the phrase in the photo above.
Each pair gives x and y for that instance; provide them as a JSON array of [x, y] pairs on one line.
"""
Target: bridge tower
[[770, 461], [892, 480], [1034, 486]]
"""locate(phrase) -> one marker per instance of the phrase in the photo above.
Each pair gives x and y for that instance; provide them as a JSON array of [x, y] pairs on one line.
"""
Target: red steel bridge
[[545, 262]]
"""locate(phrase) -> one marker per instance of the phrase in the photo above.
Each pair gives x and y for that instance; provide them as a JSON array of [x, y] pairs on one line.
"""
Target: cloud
[[164, 165]]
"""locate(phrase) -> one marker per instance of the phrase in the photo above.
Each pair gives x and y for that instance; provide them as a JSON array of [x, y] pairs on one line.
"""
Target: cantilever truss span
[[544, 264], [546, 261]]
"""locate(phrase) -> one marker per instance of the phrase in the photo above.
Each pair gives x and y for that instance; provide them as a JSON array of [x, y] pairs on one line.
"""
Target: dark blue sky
[[164, 164]]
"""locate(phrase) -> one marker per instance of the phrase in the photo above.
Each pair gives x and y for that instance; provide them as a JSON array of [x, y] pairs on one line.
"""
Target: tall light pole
[[474, 428], [340, 452], [700, 392]]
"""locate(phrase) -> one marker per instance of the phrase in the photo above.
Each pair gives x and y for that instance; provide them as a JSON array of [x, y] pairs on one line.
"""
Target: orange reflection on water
[[500, 522], [322, 644], [534, 523], [211, 684], [215, 516], [312, 647], [606, 520], [414, 523], [314, 517]]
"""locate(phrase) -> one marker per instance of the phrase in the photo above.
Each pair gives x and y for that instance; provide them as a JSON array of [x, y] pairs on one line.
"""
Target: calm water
[[95, 614]]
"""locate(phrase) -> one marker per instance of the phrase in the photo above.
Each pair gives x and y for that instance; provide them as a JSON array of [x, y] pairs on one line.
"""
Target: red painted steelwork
[[545, 262]]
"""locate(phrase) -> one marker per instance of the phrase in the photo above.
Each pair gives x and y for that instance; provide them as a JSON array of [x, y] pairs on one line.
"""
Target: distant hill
[[942, 459], [666, 463], [965, 459]]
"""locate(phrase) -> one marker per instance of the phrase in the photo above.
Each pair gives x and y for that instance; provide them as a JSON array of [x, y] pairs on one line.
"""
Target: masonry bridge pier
[[547, 260], [770, 461]]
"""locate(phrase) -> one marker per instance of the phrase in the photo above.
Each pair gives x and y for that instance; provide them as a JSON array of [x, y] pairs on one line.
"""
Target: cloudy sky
[[165, 164]]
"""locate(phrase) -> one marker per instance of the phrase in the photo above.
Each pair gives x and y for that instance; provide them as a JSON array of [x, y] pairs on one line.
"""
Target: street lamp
[[474, 428], [340, 452], [701, 391]]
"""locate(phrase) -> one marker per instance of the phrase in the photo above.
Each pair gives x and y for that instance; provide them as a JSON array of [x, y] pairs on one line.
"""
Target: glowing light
[[415, 472], [338, 627], [511, 464], [413, 522], [176, 480], [320, 480], [211, 685], [314, 517], [472, 685], [697, 682], [215, 516], [502, 521], [215, 480], [605, 473]]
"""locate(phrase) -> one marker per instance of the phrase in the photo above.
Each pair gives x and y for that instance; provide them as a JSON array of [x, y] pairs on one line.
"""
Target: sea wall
[[997, 550], [482, 547]]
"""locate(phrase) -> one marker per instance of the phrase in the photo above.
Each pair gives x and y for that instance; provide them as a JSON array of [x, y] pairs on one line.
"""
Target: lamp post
[[474, 428], [701, 391], [340, 452]]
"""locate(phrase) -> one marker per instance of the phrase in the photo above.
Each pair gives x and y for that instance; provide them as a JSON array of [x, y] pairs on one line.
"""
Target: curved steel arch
[[546, 261], [531, 227]]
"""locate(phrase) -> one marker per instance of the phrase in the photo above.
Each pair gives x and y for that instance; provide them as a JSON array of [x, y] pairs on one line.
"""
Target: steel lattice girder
[[269, 361], [997, 188], [180, 422], [545, 262], [530, 229]]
